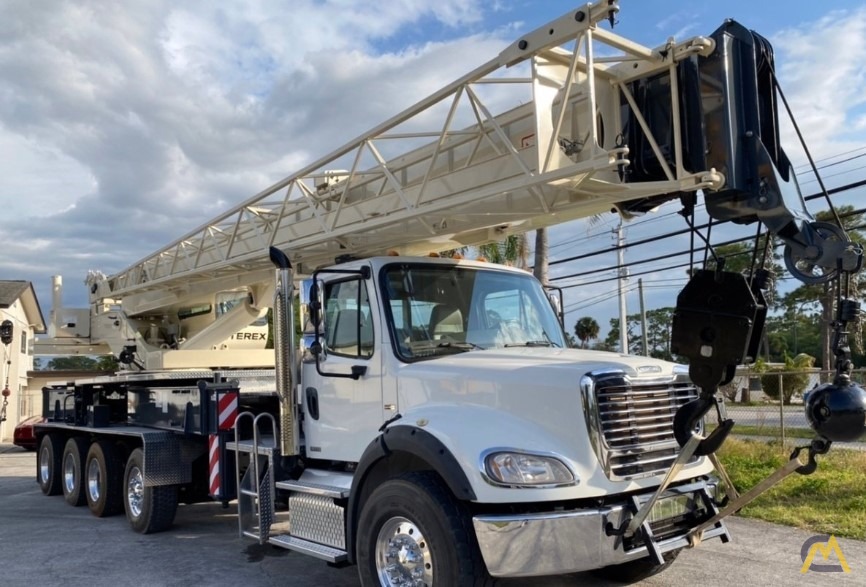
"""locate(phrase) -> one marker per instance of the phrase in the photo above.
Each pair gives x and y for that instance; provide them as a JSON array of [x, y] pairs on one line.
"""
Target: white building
[[18, 305]]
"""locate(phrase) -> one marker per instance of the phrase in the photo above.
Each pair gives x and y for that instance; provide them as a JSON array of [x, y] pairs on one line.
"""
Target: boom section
[[533, 137]]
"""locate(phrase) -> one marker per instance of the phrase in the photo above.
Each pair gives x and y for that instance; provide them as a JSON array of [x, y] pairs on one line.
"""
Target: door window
[[348, 319]]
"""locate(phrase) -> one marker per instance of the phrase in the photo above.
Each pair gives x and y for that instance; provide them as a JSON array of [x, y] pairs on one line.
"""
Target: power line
[[808, 166], [810, 170], [581, 306], [602, 298], [668, 268], [591, 234], [836, 190], [815, 196], [626, 227], [687, 230], [606, 279], [836, 174]]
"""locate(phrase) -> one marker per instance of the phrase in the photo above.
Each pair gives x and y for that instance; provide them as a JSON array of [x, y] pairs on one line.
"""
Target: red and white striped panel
[[227, 408], [213, 446]]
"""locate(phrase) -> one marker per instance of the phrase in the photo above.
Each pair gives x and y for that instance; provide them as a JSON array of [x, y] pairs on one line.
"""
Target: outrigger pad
[[713, 325]]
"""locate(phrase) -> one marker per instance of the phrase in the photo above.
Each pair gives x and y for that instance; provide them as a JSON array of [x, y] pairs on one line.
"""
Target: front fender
[[406, 440]]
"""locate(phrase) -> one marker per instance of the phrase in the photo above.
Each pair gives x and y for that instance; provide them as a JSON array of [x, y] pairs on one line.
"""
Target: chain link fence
[[768, 405]]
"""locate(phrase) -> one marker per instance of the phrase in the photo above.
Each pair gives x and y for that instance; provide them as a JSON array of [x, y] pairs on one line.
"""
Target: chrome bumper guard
[[553, 543]]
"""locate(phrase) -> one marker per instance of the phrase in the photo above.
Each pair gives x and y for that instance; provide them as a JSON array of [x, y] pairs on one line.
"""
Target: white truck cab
[[465, 363]]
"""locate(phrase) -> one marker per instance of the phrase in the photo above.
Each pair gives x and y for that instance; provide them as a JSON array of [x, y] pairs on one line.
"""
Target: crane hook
[[688, 417]]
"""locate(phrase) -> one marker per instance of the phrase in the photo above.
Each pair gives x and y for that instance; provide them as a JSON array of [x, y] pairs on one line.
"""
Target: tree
[[73, 363], [586, 329], [107, 363], [658, 333], [542, 249], [794, 377], [82, 363], [792, 333], [513, 250]]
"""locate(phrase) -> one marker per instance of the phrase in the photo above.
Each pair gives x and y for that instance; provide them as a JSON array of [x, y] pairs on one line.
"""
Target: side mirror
[[315, 305], [311, 306], [311, 292], [554, 296]]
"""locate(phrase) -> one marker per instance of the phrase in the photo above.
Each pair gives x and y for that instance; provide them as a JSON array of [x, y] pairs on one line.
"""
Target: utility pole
[[644, 344], [623, 276]]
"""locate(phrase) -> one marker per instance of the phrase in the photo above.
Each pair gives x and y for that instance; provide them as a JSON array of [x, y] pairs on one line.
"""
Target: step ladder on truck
[[424, 420]]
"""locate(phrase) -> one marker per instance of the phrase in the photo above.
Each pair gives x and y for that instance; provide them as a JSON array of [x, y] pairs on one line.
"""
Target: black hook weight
[[688, 417]]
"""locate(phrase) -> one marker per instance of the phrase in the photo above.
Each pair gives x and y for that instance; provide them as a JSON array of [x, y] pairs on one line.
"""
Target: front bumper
[[553, 543]]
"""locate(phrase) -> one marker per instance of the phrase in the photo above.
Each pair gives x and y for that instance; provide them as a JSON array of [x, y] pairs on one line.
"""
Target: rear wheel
[[49, 463], [148, 509], [104, 479], [73, 470]]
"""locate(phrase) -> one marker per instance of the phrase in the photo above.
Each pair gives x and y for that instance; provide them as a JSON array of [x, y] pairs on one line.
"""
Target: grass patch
[[831, 501], [773, 431]]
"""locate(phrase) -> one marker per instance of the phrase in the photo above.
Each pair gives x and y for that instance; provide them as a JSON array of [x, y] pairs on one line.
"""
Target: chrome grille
[[634, 421]]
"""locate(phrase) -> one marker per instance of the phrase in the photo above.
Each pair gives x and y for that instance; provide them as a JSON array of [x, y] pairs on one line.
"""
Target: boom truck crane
[[424, 419]]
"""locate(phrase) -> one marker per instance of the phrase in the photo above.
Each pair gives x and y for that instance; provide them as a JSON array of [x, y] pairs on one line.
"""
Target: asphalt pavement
[[45, 542]]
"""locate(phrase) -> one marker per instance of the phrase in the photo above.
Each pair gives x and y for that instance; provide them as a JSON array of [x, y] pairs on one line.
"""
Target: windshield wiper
[[532, 343], [463, 346]]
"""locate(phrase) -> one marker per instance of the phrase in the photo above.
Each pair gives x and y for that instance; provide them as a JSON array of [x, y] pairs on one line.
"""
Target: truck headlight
[[526, 469]]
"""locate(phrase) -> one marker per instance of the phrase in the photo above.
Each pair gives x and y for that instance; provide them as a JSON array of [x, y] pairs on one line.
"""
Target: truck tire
[[148, 509], [49, 463], [73, 470], [103, 479], [636, 570], [413, 531]]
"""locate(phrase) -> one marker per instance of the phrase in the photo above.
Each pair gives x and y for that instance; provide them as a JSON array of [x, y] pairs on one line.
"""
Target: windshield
[[442, 309], [226, 301]]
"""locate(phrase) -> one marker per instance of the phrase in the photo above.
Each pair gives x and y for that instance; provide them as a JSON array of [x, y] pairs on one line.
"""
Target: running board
[[320, 551], [314, 489]]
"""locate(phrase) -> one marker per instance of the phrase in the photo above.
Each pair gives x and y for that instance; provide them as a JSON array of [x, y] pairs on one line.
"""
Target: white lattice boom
[[449, 171]]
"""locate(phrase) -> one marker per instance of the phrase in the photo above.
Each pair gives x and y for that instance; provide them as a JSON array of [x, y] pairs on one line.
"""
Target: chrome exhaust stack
[[284, 352]]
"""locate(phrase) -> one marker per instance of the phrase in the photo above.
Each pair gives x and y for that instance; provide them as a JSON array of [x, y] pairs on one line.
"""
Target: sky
[[125, 125]]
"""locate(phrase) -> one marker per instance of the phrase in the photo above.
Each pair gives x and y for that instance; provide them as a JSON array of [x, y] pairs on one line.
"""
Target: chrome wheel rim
[[94, 475], [69, 473], [44, 464], [135, 491], [403, 555]]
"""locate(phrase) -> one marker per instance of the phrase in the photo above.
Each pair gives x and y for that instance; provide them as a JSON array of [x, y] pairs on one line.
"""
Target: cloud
[[124, 126], [821, 72]]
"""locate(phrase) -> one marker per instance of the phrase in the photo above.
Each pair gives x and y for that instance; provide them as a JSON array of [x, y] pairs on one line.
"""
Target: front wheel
[[412, 531], [148, 509]]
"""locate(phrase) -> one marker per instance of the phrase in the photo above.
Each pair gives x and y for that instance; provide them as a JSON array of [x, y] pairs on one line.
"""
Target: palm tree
[[542, 250], [513, 250], [586, 329]]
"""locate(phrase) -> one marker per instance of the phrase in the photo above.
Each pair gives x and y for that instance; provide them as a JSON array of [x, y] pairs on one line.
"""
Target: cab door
[[342, 392]]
